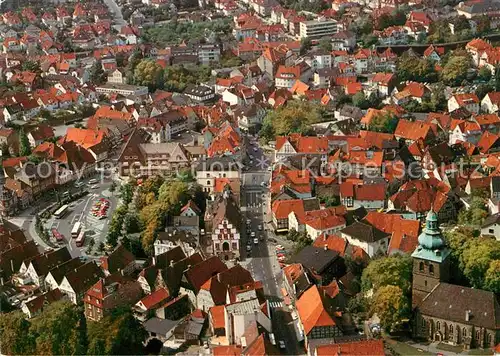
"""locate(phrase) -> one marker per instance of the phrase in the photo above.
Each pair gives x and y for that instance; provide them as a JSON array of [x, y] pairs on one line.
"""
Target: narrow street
[[260, 259], [117, 12]]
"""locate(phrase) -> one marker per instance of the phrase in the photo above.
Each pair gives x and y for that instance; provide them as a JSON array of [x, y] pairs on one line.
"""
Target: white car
[[282, 344], [252, 234], [255, 149], [260, 227], [249, 221], [95, 186], [249, 248], [255, 241]]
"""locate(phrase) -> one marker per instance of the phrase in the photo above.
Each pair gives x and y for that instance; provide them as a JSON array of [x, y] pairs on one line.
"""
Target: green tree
[[475, 215], [411, 67], [477, 257], [58, 330], [455, 71], [24, 144], [482, 90], [305, 45], [131, 223], [394, 270], [385, 122], [126, 193], [484, 73], [97, 74], [134, 60], [15, 335], [117, 334], [112, 187], [149, 73], [31, 66], [325, 44], [359, 100], [391, 305], [492, 277], [296, 117]]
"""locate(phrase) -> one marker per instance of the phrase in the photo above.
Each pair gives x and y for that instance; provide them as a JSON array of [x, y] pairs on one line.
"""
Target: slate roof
[[483, 305], [315, 258], [364, 232]]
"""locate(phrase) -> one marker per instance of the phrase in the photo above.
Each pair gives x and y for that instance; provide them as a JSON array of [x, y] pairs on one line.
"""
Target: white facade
[[371, 248], [318, 28]]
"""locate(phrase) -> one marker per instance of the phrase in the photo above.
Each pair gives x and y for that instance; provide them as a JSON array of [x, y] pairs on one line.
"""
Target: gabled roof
[[355, 348], [117, 260], [200, 273], [450, 302], [311, 310], [412, 130], [155, 299], [364, 231]]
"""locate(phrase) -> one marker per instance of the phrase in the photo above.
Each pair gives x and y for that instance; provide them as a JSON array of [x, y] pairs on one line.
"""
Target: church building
[[446, 312]]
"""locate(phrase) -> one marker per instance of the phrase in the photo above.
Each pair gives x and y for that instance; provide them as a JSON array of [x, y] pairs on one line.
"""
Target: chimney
[[154, 261], [468, 314], [325, 247], [171, 264], [12, 265], [324, 236]]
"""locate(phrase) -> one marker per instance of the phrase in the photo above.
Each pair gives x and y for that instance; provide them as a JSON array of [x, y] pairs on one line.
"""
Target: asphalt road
[[80, 211], [117, 12], [262, 261]]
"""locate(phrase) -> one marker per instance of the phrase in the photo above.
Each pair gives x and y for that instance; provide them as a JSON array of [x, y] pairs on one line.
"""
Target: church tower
[[431, 263]]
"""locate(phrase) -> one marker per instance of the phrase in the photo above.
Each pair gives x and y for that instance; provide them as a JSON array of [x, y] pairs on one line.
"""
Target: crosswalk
[[274, 304]]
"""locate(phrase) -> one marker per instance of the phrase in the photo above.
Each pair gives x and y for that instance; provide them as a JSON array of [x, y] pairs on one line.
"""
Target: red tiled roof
[[230, 350], [412, 130], [478, 45], [487, 141], [382, 78], [154, 299], [217, 316], [466, 99], [357, 348], [282, 208], [311, 310], [332, 242]]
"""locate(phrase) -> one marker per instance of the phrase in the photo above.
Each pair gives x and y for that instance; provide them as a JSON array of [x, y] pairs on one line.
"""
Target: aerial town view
[[250, 177]]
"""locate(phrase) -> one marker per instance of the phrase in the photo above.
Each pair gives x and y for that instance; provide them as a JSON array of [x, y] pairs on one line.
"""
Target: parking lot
[[95, 227]]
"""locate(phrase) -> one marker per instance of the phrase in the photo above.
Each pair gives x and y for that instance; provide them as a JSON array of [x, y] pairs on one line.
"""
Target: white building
[[318, 28]]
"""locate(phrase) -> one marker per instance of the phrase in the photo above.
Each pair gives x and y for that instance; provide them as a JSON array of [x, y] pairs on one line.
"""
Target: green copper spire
[[431, 245]]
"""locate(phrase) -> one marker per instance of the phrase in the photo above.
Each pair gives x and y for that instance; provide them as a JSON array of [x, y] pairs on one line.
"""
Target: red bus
[[57, 235], [80, 239]]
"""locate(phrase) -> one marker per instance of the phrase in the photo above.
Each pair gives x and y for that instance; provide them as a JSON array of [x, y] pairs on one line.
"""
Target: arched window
[[451, 329], [438, 326], [477, 335], [431, 269], [489, 339], [464, 332], [423, 323], [421, 267]]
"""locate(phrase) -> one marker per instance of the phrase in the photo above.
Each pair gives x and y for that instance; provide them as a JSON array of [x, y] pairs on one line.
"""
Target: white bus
[[80, 239], [76, 229], [61, 211]]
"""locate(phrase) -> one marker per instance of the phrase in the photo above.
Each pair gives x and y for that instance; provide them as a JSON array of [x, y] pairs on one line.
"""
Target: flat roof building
[[321, 27]]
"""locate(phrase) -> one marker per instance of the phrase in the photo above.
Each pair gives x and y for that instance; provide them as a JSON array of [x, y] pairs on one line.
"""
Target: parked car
[[256, 241], [252, 234], [282, 344], [249, 248]]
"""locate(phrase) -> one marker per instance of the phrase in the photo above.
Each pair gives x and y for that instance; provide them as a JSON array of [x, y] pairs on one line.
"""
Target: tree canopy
[[479, 255], [24, 144], [148, 73], [394, 270], [385, 122], [296, 117], [391, 306]]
